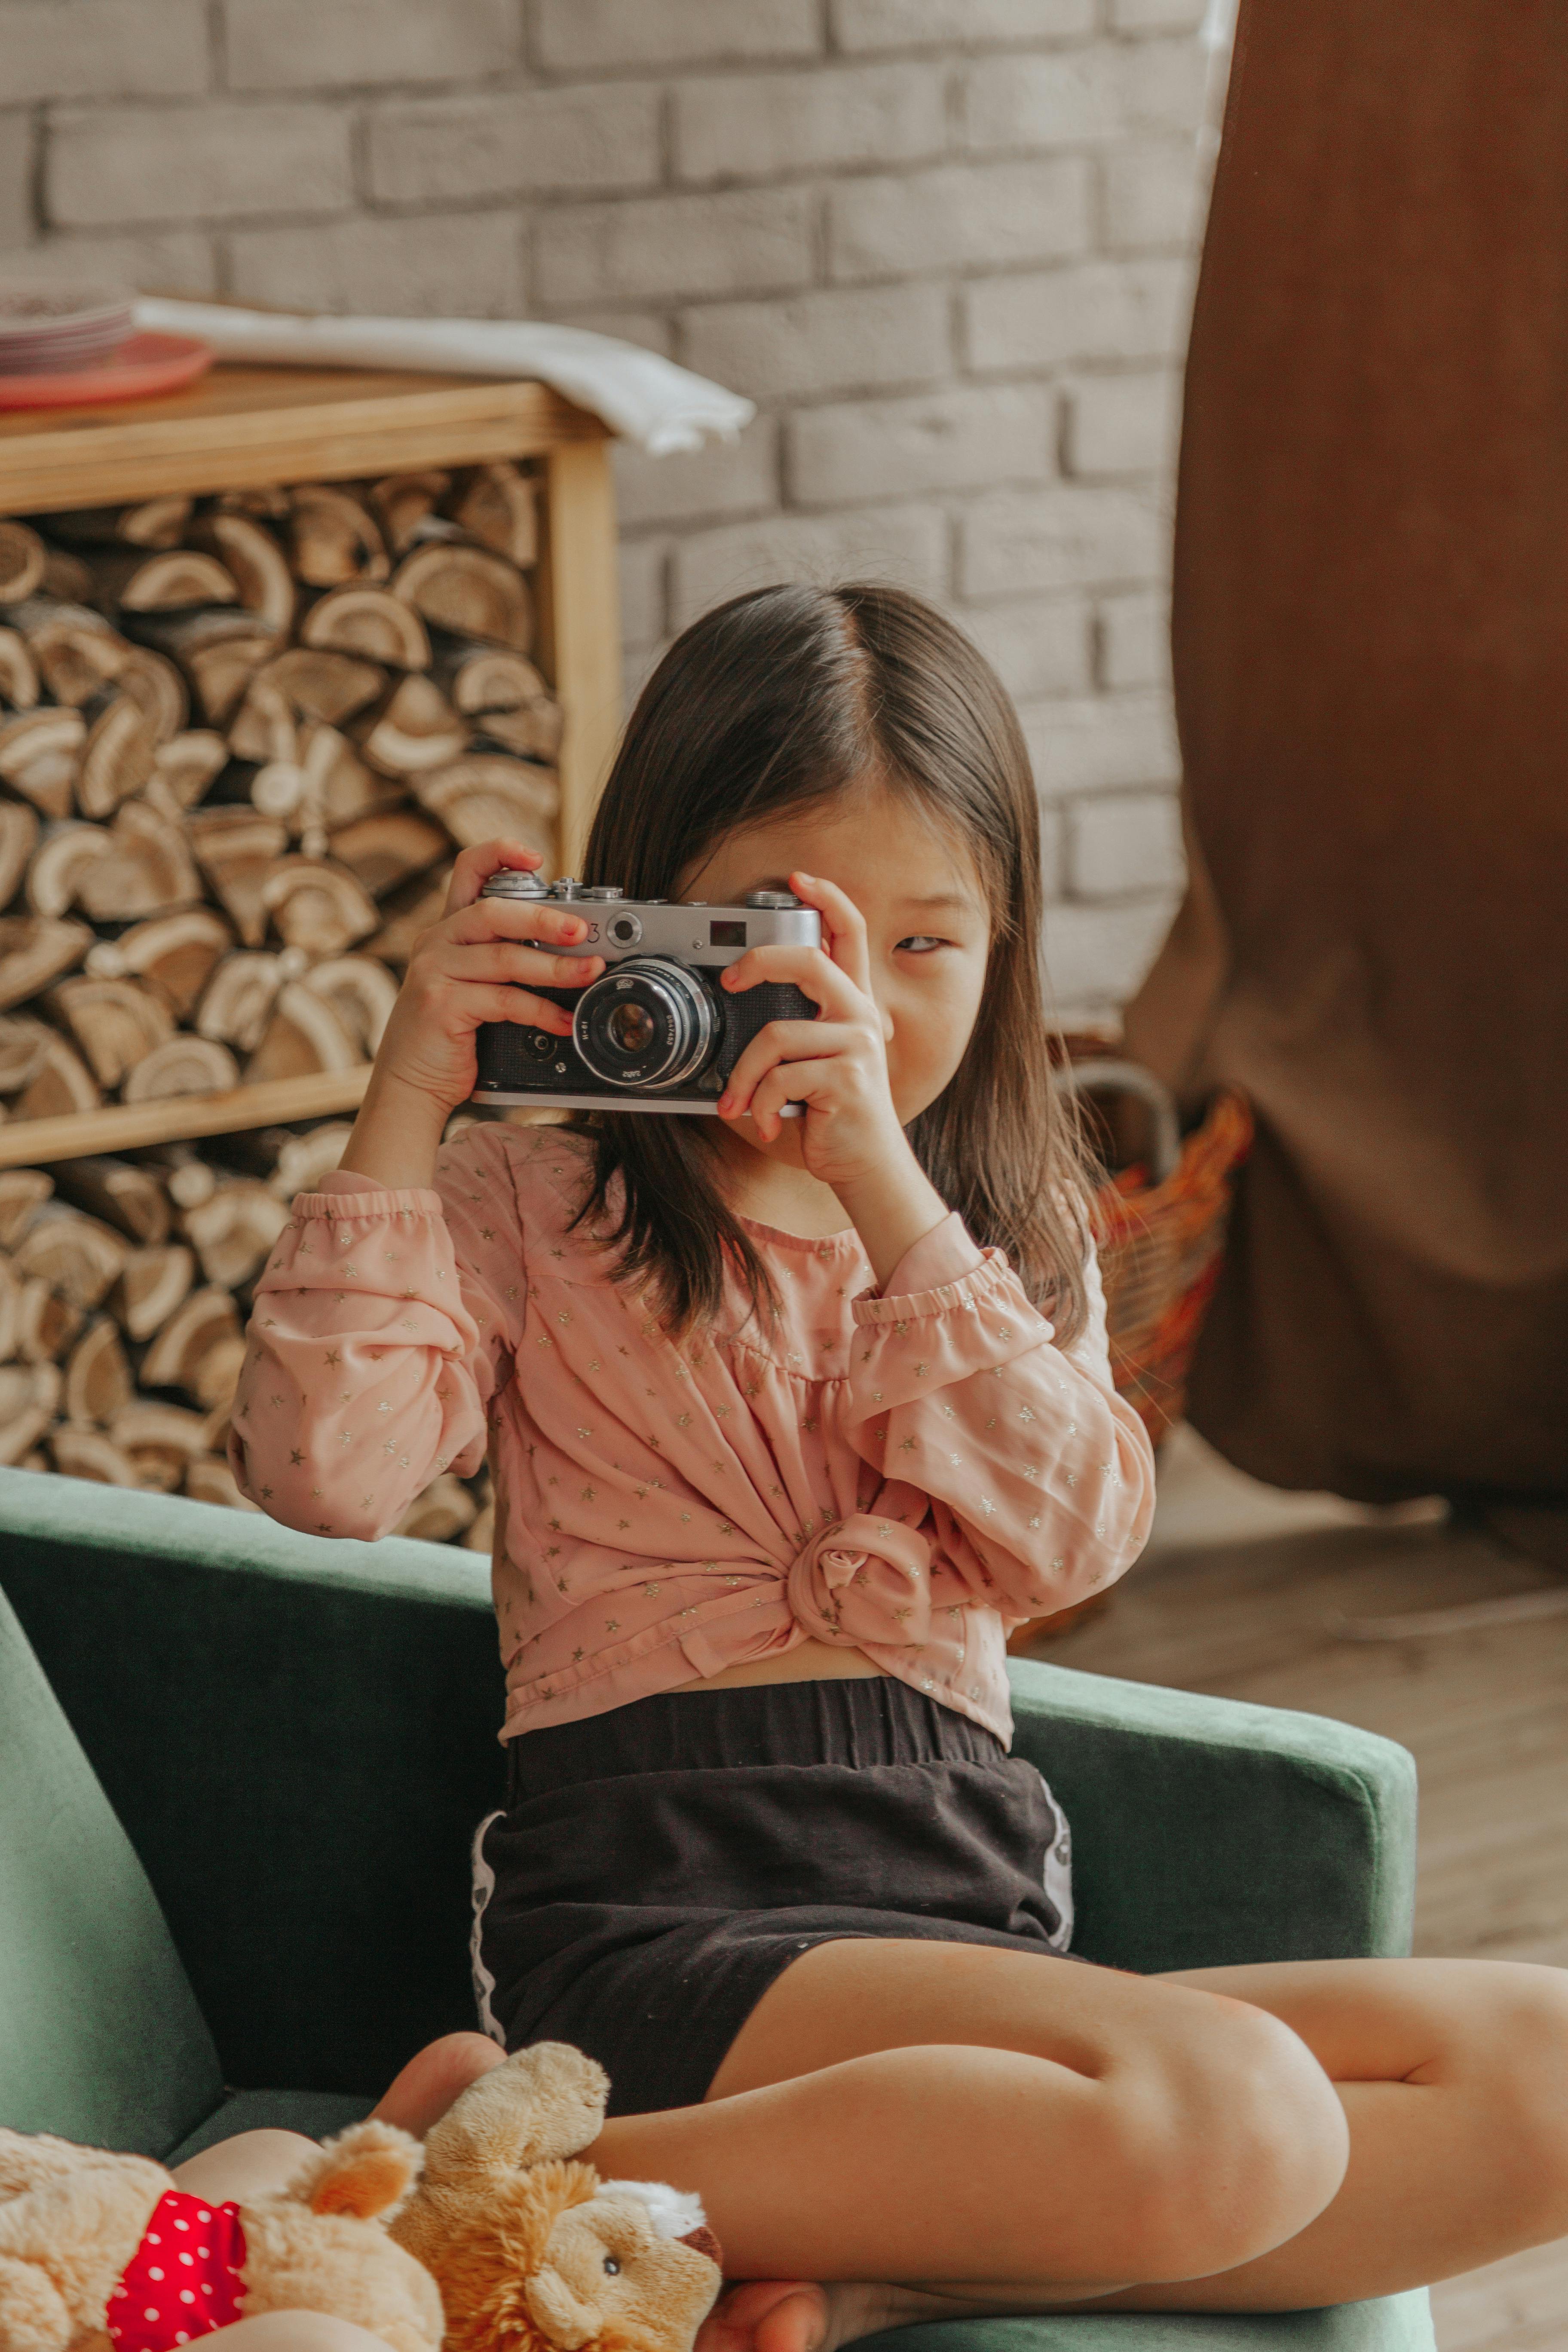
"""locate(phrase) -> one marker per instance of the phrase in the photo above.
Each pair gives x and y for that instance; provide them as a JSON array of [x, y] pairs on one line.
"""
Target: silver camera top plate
[[689, 930]]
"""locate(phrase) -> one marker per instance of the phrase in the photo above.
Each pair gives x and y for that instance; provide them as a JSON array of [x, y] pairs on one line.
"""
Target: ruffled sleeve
[[380, 1332], [1041, 1478]]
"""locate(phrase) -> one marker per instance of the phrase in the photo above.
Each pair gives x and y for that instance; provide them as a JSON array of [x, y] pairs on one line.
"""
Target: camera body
[[655, 1030]]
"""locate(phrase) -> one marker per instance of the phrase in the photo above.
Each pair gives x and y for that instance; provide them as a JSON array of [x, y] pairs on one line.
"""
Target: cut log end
[[498, 506], [305, 1033], [233, 1232], [414, 730], [185, 1066], [152, 1284], [61, 1086], [172, 581], [384, 851], [40, 753], [173, 955], [119, 1194], [469, 592], [78, 1256], [97, 1383], [29, 1394], [19, 672], [35, 951], [255, 563], [194, 1351], [370, 622], [334, 538], [22, 558], [115, 1024], [317, 906], [23, 1192]]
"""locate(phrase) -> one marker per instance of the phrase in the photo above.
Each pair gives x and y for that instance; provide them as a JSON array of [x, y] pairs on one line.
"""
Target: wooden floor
[[1237, 1595]]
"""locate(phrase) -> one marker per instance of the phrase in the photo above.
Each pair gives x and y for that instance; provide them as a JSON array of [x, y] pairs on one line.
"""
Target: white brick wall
[[945, 245]]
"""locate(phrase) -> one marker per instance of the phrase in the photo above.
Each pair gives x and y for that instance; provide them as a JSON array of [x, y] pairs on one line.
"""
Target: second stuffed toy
[[533, 2252]]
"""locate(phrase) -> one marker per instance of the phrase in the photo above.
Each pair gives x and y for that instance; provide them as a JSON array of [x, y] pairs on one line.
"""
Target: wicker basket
[[1160, 1249]]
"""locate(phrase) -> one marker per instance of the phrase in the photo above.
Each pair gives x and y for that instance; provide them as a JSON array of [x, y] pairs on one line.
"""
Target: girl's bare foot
[[434, 2077], [799, 2316]]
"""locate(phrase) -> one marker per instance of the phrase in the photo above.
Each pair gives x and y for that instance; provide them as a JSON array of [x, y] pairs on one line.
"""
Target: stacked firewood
[[124, 1288], [241, 739]]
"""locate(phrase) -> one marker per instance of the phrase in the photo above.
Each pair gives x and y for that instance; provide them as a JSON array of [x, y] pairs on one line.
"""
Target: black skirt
[[656, 1867]]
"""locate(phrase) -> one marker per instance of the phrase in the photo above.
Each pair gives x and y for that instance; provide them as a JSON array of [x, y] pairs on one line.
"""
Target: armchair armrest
[[1206, 1831]]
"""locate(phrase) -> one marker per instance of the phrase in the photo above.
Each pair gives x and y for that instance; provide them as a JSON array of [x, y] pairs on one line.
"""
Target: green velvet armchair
[[239, 1771]]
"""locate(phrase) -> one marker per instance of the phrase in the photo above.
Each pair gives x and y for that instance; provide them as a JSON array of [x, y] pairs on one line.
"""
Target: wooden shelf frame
[[181, 1118], [244, 427]]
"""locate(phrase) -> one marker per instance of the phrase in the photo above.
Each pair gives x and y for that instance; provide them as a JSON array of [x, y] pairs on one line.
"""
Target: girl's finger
[[810, 969], [782, 1041], [512, 918], [803, 1082], [523, 967], [843, 925], [476, 1001], [475, 866]]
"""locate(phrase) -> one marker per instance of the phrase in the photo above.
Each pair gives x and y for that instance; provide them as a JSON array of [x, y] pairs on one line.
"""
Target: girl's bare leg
[[932, 2113], [252, 2164], [295, 2331], [996, 2128]]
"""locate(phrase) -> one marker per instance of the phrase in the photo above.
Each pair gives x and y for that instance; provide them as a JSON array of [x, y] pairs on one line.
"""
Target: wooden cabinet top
[[243, 426]]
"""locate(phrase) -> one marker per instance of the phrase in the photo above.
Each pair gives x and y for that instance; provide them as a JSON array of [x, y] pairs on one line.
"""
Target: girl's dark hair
[[782, 700]]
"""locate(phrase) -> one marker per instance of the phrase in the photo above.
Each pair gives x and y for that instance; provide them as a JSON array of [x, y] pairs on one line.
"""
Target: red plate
[[142, 365]]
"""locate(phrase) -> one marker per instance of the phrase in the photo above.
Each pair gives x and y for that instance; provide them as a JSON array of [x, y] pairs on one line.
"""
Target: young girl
[[791, 1418]]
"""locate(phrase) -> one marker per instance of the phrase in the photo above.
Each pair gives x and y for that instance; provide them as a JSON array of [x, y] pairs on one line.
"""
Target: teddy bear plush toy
[[533, 2252], [106, 2251], [496, 2218]]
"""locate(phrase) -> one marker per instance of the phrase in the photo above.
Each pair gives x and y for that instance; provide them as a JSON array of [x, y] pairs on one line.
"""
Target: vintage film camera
[[655, 1030]]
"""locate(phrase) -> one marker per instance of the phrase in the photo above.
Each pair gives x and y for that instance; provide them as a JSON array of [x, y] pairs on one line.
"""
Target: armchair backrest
[[299, 1738], [100, 2037]]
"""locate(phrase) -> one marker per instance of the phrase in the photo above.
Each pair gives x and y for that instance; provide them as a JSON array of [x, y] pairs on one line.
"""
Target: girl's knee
[[1237, 2140]]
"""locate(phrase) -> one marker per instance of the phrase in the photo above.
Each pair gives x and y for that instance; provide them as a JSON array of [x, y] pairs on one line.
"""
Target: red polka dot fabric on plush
[[183, 2279]]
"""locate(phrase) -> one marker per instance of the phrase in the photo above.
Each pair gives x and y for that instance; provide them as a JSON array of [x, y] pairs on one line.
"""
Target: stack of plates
[[56, 330]]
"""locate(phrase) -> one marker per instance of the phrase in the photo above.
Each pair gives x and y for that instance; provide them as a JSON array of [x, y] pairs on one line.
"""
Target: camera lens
[[630, 1028], [648, 1023]]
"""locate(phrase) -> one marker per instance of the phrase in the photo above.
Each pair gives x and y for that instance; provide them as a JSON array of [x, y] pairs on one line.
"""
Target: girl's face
[[927, 924]]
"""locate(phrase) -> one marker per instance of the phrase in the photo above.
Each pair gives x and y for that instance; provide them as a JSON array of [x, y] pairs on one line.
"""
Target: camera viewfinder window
[[727, 935]]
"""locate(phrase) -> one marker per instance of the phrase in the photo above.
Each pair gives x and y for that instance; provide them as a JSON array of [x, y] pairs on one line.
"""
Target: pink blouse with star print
[[909, 1474]]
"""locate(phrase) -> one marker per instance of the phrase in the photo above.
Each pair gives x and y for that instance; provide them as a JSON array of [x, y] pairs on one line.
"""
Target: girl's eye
[[920, 943]]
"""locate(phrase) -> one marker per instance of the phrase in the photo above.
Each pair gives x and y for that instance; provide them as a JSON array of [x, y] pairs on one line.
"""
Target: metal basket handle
[[1109, 1076]]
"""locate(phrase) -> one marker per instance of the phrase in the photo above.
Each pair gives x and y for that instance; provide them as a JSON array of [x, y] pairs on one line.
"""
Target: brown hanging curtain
[[1371, 638]]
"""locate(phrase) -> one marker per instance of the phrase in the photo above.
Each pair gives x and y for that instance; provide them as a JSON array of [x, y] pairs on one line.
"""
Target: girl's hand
[[837, 1065], [469, 968]]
